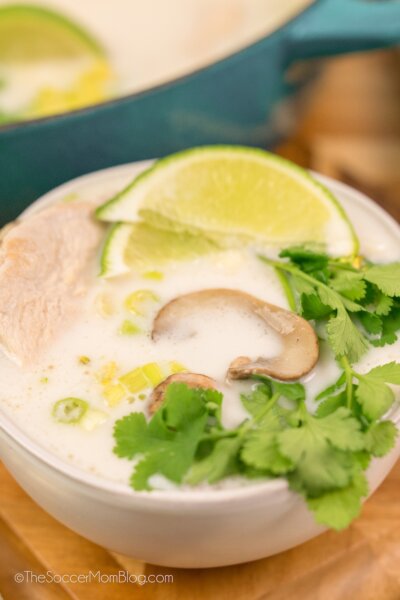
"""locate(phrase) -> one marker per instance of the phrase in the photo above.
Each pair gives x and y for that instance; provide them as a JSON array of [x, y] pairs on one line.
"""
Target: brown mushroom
[[300, 345], [192, 380]]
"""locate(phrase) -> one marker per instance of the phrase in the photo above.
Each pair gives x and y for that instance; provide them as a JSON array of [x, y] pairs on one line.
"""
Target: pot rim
[[124, 99]]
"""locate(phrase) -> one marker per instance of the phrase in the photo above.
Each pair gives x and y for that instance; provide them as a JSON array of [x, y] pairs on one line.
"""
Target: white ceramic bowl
[[194, 529]]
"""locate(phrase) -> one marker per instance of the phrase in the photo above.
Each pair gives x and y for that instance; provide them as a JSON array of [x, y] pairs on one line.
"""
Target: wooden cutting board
[[350, 131], [361, 563]]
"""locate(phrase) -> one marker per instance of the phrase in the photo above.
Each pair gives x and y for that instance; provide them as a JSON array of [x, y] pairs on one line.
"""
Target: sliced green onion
[[129, 328], [69, 410], [136, 301], [156, 275]]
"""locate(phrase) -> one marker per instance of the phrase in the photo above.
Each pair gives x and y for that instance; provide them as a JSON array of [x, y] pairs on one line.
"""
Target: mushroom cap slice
[[192, 380], [299, 342]]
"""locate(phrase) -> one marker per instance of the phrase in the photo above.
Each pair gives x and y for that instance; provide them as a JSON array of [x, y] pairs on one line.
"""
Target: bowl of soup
[[178, 404], [146, 80]]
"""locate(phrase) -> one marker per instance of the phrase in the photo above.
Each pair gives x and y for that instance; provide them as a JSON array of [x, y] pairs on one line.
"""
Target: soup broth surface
[[93, 349]]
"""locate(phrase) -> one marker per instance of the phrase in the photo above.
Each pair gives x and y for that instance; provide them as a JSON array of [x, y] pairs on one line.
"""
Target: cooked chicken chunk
[[45, 263]]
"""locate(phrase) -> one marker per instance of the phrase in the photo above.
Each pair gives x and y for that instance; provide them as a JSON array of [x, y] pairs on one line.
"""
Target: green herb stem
[[287, 289], [271, 402], [249, 424], [342, 266], [219, 435], [344, 361], [295, 271]]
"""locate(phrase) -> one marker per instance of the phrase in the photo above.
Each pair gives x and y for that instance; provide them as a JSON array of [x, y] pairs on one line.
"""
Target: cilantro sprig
[[168, 442], [358, 304], [323, 456], [369, 394]]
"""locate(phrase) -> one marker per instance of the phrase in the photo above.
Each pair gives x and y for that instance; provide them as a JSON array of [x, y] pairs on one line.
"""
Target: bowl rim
[[169, 83], [167, 497]]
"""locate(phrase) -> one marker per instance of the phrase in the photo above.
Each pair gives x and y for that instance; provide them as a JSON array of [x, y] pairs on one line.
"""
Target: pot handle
[[340, 26]]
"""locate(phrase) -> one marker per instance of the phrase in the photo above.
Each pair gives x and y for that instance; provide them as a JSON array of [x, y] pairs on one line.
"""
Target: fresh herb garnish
[[359, 304], [168, 442], [322, 456], [368, 393]]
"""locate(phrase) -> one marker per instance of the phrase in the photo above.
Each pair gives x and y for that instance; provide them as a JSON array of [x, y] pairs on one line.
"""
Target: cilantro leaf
[[256, 400], [388, 373], [345, 338], [260, 448], [340, 428], [290, 391], [330, 298], [363, 458], [374, 397], [384, 340], [309, 260], [351, 306], [319, 450], [371, 322], [385, 277], [221, 462], [168, 442], [383, 305], [313, 308], [321, 469], [390, 325], [302, 286], [373, 394], [332, 388], [330, 404], [349, 284], [343, 335], [338, 508], [380, 438]]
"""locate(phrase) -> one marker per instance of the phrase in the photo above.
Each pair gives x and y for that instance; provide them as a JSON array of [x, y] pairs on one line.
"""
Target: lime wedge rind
[[132, 200], [112, 260]]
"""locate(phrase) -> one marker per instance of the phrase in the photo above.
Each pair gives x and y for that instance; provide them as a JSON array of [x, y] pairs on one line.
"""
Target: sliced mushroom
[[300, 345], [192, 380]]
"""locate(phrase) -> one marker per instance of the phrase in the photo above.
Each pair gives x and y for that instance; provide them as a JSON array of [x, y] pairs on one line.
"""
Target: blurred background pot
[[246, 98]]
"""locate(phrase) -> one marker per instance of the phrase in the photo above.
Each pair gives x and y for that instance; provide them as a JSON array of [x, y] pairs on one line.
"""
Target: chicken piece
[[46, 260]]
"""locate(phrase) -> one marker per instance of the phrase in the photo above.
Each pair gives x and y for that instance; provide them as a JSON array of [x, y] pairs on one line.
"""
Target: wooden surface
[[351, 131]]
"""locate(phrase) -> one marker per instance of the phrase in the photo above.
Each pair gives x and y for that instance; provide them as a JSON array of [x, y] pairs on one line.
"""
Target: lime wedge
[[48, 64], [31, 33], [140, 247], [234, 192]]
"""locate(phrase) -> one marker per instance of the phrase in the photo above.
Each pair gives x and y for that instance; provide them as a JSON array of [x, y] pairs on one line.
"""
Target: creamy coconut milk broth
[[221, 338], [28, 394]]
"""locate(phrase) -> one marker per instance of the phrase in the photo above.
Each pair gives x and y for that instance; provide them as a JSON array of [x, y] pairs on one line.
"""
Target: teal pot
[[242, 99]]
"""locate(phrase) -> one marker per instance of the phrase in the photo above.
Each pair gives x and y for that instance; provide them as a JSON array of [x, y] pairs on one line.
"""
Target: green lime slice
[[234, 192], [48, 64], [31, 33], [140, 247]]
